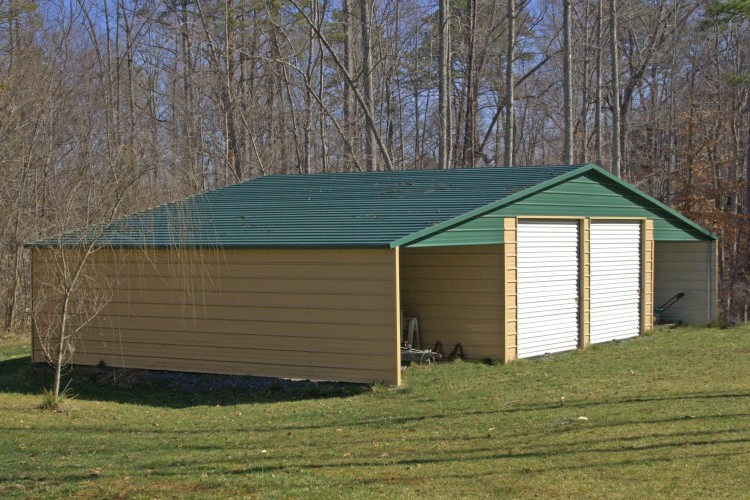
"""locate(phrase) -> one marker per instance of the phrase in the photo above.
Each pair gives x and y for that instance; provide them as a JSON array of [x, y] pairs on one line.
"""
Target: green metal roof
[[372, 209], [593, 209]]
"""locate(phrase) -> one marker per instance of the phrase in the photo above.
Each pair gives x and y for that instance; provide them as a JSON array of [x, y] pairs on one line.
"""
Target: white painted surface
[[547, 287], [615, 280]]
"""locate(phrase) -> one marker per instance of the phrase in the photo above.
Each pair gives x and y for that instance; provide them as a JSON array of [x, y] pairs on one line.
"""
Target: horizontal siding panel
[[291, 342], [456, 293], [432, 260], [364, 374], [469, 272], [291, 317], [266, 313], [222, 326], [450, 285], [216, 258], [686, 268], [329, 286], [452, 299], [290, 313], [253, 355], [255, 299], [472, 312], [256, 271]]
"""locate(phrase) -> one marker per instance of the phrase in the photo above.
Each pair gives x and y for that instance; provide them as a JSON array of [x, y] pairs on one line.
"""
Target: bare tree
[[567, 86], [510, 83], [201, 94], [598, 84], [615, 99], [365, 7], [444, 142], [469, 144]]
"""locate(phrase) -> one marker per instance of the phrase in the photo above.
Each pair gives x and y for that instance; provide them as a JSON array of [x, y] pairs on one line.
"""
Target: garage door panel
[[547, 347], [547, 308], [620, 288], [614, 305], [551, 313], [615, 280], [615, 294], [550, 268], [547, 287], [552, 264], [544, 321]]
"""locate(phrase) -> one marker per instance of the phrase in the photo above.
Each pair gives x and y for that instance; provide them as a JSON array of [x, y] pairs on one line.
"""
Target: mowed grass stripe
[[667, 415]]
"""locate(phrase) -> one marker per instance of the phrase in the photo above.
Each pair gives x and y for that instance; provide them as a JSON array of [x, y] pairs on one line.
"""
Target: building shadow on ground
[[166, 389]]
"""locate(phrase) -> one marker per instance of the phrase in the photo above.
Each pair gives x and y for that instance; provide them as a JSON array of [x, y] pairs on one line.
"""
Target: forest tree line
[[111, 106]]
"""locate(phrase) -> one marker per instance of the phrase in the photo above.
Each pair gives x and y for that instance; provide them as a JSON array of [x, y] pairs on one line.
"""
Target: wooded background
[[111, 106]]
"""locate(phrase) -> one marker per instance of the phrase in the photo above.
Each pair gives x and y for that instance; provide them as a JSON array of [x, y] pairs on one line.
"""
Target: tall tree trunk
[[469, 146], [598, 89], [444, 148], [307, 131], [321, 89], [346, 10], [583, 119], [509, 84], [614, 49], [234, 157], [567, 86], [370, 141]]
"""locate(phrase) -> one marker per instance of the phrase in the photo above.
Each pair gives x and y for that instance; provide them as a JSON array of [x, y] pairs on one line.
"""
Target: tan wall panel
[[347, 271], [290, 313], [219, 257], [647, 276], [456, 293], [584, 331], [91, 337], [251, 355], [713, 292], [363, 374], [686, 267], [195, 288], [510, 290], [243, 327], [332, 314], [457, 287], [250, 299]]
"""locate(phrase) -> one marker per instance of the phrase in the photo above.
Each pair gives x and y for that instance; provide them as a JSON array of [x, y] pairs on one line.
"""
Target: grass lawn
[[667, 415]]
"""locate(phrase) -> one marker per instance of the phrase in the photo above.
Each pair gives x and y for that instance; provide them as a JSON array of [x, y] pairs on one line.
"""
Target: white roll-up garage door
[[547, 287], [615, 280]]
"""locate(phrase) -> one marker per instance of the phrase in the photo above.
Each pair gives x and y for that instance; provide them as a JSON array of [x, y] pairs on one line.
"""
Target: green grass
[[668, 415]]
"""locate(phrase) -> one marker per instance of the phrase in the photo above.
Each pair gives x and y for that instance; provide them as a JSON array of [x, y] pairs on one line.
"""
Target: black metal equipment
[[658, 311]]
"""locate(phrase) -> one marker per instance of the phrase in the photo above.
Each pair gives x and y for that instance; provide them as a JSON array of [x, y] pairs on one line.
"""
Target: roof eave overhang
[[350, 246]]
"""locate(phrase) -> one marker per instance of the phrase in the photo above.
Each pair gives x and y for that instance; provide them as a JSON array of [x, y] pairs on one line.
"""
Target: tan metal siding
[[510, 290], [456, 294], [647, 276], [317, 314], [686, 267], [713, 287], [584, 313]]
